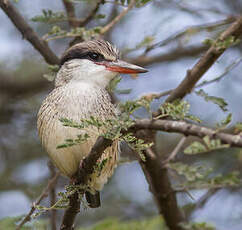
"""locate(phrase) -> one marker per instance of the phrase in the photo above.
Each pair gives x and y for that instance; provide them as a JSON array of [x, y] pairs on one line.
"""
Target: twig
[[171, 55], [90, 16], [37, 202], [70, 11], [175, 151], [52, 194], [207, 26], [200, 68], [202, 201], [28, 33], [106, 28], [221, 76]]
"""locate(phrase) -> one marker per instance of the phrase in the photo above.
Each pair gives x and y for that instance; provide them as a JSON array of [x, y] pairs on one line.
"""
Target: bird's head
[[94, 61]]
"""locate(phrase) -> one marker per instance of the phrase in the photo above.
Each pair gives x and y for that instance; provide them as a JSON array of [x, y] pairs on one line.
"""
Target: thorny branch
[[44, 194], [28, 33]]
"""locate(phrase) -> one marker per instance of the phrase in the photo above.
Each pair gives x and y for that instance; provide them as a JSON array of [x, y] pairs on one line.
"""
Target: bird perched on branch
[[80, 92]]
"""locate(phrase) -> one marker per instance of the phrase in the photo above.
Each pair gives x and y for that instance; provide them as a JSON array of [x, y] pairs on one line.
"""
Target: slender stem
[[44, 194], [175, 151], [106, 28]]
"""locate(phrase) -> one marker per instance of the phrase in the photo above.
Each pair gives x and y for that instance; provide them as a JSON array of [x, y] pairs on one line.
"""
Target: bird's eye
[[95, 56]]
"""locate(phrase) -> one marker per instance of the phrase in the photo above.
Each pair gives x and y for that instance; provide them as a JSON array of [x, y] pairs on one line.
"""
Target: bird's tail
[[93, 200]]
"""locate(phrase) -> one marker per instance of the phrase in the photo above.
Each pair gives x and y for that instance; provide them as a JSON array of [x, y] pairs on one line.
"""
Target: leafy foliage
[[216, 100], [222, 44], [70, 142], [224, 123], [190, 172], [57, 32], [207, 145], [197, 226], [63, 201], [199, 176], [48, 16], [112, 86], [178, 110]]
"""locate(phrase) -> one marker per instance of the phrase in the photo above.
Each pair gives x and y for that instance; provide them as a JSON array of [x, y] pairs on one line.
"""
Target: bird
[[80, 92]]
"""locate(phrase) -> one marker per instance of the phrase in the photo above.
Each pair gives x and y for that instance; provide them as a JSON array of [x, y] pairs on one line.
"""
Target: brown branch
[[174, 54], [71, 212], [90, 16], [207, 26], [187, 129], [28, 33], [160, 186], [88, 164], [70, 11], [173, 154], [201, 67], [37, 202], [106, 28], [86, 168]]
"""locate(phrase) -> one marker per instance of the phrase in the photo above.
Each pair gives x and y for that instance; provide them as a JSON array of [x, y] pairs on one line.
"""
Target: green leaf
[[100, 16], [224, 123], [191, 172], [113, 84], [209, 144], [50, 17], [238, 127], [195, 147], [178, 110], [216, 100]]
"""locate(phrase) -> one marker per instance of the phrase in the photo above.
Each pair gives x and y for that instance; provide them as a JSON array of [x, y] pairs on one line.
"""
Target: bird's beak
[[120, 66]]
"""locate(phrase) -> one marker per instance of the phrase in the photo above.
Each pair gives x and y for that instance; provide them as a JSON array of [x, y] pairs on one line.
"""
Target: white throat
[[83, 70]]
